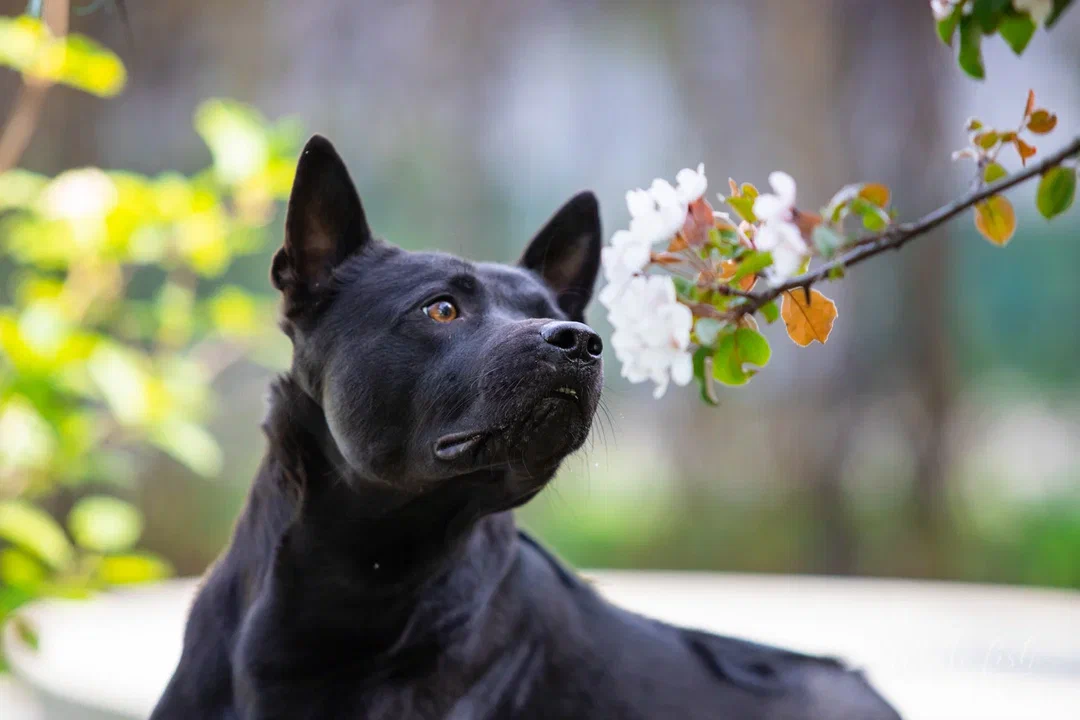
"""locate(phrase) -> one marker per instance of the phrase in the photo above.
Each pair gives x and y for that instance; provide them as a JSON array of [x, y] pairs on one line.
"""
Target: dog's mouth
[[455, 445], [559, 404]]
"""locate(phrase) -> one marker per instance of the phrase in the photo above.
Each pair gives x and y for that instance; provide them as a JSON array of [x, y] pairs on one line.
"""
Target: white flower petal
[[692, 184], [786, 262], [661, 388], [792, 237], [664, 194], [767, 238], [784, 187], [682, 369], [770, 207], [639, 202]]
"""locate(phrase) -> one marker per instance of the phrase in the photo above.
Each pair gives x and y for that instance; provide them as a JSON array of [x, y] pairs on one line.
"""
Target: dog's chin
[[550, 428]]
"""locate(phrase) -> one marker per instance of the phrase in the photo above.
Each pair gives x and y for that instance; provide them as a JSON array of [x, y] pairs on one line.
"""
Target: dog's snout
[[575, 339]]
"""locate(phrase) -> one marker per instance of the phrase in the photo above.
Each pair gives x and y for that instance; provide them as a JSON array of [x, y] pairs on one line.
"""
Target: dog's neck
[[363, 555]]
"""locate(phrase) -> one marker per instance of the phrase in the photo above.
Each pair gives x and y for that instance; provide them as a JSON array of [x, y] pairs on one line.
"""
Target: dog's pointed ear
[[566, 253], [324, 224]]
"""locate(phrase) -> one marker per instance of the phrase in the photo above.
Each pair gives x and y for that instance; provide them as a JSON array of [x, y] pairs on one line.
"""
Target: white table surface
[[936, 650]]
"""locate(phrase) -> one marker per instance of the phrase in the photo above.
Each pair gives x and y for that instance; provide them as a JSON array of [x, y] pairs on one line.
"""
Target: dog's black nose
[[575, 339]]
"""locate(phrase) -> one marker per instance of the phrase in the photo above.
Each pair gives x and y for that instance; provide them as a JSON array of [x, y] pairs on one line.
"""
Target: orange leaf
[[875, 193], [677, 243], [996, 219], [808, 321], [733, 186], [1042, 122], [1024, 149], [1030, 104]]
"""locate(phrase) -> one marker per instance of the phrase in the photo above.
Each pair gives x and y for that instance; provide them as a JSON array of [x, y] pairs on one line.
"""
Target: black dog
[[376, 572]]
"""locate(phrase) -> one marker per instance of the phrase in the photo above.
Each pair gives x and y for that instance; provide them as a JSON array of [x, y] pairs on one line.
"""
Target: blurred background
[[933, 437]]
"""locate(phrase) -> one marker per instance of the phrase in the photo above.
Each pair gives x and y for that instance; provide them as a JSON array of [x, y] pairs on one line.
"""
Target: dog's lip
[[454, 445]]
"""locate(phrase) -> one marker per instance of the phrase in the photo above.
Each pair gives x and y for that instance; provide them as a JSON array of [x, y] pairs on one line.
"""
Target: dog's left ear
[[566, 253], [324, 224]]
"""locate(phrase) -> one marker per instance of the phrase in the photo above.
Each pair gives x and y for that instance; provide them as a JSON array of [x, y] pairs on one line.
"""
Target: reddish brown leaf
[[1030, 107], [806, 222], [666, 258], [1026, 151]]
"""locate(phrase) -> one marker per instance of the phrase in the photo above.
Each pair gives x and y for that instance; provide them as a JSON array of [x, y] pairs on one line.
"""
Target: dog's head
[[429, 367]]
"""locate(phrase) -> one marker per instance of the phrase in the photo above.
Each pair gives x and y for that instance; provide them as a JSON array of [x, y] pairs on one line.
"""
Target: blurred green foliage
[[113, 322], [74, 60]]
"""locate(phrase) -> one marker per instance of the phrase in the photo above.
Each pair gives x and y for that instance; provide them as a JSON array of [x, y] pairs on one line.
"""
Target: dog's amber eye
[[442, 311]]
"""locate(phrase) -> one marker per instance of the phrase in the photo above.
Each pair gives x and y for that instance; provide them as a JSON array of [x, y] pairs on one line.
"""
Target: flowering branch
[[896, 237], [698, 318]]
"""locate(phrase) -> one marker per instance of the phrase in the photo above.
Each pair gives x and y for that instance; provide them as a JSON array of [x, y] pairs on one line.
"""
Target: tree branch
[[23, 119], [897, 236]]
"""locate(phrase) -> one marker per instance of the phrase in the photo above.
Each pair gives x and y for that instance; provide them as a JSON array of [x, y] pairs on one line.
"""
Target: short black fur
[[376, 571]]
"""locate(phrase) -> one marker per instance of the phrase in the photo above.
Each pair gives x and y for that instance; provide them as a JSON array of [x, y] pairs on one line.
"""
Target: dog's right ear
[[324, 225]]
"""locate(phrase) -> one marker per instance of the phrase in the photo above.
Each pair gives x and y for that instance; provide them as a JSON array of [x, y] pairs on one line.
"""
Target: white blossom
[[652, 333], [1039, 10], [627, 256], [652, 328], [778, 233], [784, 241], [692, 184], [86, 194], [942, 8]]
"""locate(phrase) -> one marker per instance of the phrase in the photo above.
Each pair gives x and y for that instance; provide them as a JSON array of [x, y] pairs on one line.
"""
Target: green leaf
[[237, 136], [34, 530], [133, 568], [970, 57], [874, 218], [993, 171], [770, 311], [751, 264], [947, 28], [735, 349], [191, 445], [836, 273], [995, 219], [75, 60], [743, 207], [989, 13], [19, 188], [683, 288], [987, 140], [1057, 191], [707, 329], [826, 240], [19, 569], [105, 524], [1017, 30], [702, 361], [1055, 14]]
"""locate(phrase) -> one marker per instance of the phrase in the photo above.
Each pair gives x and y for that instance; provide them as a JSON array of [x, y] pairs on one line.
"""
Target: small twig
[[896, 237], [23, 119]]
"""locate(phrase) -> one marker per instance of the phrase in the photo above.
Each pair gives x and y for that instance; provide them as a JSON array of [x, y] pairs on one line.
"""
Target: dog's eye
[[442, 311]]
